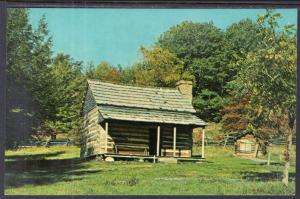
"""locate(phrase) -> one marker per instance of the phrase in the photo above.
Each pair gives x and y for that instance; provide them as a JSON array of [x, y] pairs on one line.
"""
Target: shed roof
[[241, 134], [131, 103]]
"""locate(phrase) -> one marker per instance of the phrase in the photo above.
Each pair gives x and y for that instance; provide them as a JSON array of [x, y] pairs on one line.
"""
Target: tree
[[268, 75], [28, 62], [201, 47], [210, 55], [104, 71], [44, 94], [19, 43], [190, 41], [67, 96], [235, 118], [98, 72], [241, 38], [127, 76], [208, 104], [89, 70], [113, 75], [159, 68], [38, 78]]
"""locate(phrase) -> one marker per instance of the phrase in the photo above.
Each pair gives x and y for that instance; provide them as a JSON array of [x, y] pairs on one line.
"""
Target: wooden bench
[[58, 142], [132, 147]]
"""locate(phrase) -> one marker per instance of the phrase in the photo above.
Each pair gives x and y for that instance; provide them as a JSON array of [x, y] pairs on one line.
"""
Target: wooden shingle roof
[[132, 103], [140, 97], [143, 115]]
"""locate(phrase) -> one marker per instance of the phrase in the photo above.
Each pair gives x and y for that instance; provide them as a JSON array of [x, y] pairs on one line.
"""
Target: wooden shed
[[246, 145], [138, 121]]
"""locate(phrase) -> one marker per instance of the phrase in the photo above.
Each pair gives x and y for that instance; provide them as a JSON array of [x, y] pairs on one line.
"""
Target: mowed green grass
[[59, 171]]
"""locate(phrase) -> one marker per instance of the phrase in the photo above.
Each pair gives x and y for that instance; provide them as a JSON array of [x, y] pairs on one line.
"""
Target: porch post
[[158, 141], [106, 136], [203, 135], [174, 141]]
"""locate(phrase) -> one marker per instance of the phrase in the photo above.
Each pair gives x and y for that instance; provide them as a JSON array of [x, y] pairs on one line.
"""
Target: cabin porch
[[148, 141]]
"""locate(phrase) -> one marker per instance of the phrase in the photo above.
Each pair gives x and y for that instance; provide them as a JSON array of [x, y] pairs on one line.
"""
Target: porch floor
[[154, 159]]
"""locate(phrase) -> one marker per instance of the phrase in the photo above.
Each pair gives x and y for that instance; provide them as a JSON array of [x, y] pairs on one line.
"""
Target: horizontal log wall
[[93, 135], [184, 141], [129, 137], [133, 138]]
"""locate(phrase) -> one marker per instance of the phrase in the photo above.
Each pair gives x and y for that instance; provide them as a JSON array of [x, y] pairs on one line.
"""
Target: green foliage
[[159, 68], [55, 85], [29, 57], [98, 72], [128, 74], [268, 73], [242, 37], [89, 70], [210, 55], [208, 104], [200, 46], [104, 71], [19, 43], [19, 37], [268, 76], [189, 41], [235, 118], [38, 78], [67, 96]]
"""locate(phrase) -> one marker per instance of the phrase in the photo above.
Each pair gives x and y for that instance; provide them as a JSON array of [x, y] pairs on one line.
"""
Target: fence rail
[[282, 141], [231, 141], [51, 142]]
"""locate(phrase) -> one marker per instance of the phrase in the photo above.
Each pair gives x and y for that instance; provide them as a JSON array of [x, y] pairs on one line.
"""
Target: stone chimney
[[185, 88]]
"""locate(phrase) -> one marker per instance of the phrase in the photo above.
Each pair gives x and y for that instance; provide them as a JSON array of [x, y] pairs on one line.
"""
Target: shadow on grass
[[25, 170], [266, 176], [34, 156], [292, 164], [262, 163]]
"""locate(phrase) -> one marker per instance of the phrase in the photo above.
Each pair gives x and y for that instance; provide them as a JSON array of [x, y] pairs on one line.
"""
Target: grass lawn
[[59, 171]]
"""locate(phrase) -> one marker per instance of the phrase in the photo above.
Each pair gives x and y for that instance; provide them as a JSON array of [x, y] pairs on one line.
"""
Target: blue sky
[[115, 35]]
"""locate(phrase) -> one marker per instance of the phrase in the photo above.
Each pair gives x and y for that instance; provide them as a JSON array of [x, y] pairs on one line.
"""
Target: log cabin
[[138, 121]]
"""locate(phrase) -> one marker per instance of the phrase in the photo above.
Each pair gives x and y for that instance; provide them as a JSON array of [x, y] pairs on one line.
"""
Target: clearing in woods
[[58, 171]]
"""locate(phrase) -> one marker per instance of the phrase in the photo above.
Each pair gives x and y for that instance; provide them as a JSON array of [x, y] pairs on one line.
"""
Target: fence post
[[203, 135], [269, 154]]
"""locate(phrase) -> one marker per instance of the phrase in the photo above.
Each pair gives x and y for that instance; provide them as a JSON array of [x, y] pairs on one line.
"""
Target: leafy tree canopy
[[159, 67]]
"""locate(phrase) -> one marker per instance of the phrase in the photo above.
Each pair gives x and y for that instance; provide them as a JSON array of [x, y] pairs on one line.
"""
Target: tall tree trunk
[[287, 153]]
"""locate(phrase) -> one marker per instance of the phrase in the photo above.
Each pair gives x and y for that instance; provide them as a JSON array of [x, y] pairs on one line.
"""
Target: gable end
[[89, 102]]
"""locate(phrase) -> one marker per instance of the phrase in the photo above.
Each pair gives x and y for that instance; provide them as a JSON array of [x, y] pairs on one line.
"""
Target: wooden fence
[[231, 141], [51, 142]]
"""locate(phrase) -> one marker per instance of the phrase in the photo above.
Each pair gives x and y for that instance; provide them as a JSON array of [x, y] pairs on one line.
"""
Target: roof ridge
[[122, 84]]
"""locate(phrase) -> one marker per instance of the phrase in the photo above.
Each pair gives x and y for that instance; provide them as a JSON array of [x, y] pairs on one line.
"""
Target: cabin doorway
[[152, 141]]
